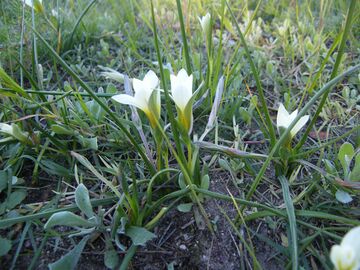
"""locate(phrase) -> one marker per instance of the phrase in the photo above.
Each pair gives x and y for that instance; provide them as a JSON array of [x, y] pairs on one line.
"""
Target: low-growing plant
[[147, 161]]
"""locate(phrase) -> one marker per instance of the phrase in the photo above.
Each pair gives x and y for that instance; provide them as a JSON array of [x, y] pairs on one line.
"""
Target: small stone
[[183, 247]]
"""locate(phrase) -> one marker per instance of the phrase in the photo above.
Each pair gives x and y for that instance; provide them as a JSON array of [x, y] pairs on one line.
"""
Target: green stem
[[292, 221], [87, 8], [183, 35], [59, 93], [129, 254]]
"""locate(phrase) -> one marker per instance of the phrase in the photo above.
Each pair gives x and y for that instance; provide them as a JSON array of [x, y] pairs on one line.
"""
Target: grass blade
[[87, 8], [292, 221], [183, 35]]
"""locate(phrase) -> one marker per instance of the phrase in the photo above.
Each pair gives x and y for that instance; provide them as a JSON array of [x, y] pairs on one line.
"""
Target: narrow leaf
[[70, 260]]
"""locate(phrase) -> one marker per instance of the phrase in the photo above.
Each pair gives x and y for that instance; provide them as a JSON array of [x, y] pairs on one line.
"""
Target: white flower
[[146, 97], [181, 90], [37, 4], [284, 119], [54, 13], [346, 256], [205, 23]]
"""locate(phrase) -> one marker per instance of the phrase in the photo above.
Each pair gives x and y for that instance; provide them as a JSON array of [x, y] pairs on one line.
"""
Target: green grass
[[66, 130]]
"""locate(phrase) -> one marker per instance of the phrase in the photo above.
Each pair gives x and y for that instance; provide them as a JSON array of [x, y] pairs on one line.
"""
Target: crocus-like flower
[[146, 97], [181, 90], [37, 4], [284, 119], [205, 23], [346, 256]]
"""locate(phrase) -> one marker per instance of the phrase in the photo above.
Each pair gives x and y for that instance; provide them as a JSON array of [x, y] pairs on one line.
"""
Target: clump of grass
[[60, 130]]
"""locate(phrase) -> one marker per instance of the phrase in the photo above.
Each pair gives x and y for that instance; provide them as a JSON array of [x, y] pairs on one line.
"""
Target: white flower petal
[[347, 254], [181, 88], [282, 119], [292, 116], [343, 257], [143, 89], [129, 100], [302, 121], [151, 81], [352, 238], [138, 85], [335, 255], [205, 22], [31, 2]]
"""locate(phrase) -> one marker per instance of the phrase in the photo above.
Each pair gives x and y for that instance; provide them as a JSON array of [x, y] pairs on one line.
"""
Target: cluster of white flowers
[[147, 96]]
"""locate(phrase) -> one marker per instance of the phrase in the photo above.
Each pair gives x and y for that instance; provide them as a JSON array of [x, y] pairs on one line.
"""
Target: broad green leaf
[[330, 168], [95, 109], [181, 181], [205, 182], [54, 169], [15, 198], [224, 164], [82, 200], [245, 115], [111, 89], [345, 155], [70, 260], [111, 258], [66, 218], [185, 207], [5, 246], [88, 142], [139, 235], [343, 196]]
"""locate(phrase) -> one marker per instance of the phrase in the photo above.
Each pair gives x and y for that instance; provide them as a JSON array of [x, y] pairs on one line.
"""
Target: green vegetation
[[117, 116]]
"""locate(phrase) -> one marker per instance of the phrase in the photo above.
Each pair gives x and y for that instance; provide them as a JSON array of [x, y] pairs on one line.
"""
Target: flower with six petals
[[284, 120], [181, 91], [146, 97]]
